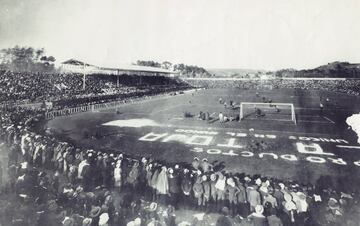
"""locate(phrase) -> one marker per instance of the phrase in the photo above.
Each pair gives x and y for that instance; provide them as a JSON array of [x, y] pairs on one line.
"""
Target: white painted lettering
[[230, 153], [311, 148], [289, 157], [152, 136], [342, 141], [259, 135], [338, 161], [247, 154], [271, 136], [261, 155], [198, 150], [176, 137], [241, 134], [213, 151], [199, 140], [231, 144], [315, 159]]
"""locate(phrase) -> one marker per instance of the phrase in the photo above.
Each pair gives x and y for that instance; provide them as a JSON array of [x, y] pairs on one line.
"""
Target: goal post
[[285, 111]]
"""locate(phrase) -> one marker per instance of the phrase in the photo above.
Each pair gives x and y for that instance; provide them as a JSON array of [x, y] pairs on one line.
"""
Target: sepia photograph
[[179, 113]]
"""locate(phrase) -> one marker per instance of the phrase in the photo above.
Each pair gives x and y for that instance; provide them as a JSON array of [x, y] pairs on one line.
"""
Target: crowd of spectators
[[52, 183], [37, 87], [57, 183], [350, 86]]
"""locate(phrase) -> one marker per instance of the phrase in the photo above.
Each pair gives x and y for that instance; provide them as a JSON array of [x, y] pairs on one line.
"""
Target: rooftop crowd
[[351, 87], [51, 182]]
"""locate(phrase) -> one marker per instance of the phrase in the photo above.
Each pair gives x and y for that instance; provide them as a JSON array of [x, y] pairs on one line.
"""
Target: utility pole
[[84, 76]]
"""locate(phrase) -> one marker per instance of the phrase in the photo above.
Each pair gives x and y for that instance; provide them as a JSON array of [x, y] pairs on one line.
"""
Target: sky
[[261, 34]]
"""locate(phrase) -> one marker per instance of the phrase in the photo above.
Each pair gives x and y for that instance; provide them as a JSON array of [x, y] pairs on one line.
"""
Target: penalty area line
[[329, 119], [345, 146]]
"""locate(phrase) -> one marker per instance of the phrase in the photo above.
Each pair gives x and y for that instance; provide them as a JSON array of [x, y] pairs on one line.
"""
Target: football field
[[319, 148]]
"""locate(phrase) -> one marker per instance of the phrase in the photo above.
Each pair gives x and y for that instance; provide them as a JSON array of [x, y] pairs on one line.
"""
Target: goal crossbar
[[293, 117]]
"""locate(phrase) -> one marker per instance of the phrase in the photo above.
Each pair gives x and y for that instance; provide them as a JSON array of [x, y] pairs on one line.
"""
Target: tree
[[166, 65], [26, 59]]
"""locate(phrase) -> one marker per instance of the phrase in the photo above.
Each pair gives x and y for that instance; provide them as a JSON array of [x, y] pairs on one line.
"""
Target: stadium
[[201, 113]]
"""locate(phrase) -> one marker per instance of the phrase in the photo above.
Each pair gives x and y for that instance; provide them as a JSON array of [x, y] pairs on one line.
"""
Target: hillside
[[332, 70], [235, 72]]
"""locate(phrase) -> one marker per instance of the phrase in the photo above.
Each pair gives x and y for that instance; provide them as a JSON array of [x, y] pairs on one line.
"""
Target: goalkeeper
[[258, 112]]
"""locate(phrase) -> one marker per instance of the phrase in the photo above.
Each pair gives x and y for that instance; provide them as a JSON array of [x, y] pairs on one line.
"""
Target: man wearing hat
[[198, 190], [207, 193], [253, 196], [224, 219], [186, 188], [257, 218], [232, 191], [174, 187], [220, 190], [103, 219], [86, 222], [213, 179], [205, 165], [94, 214]]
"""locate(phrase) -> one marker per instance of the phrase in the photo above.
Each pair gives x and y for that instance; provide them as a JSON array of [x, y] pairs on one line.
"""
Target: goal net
[[269, 111]]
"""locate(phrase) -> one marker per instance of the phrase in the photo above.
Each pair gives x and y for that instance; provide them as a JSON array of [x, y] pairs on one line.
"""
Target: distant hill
[[331, 70], [235, 72]]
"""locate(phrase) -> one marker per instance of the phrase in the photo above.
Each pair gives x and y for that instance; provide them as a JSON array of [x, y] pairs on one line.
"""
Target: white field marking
[[246, 131], [288, 120], [351, 147], [134, 123], [166, 109], [329, 119], [177, 118]]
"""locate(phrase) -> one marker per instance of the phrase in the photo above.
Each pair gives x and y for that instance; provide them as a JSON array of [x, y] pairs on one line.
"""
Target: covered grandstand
[[77, 66]]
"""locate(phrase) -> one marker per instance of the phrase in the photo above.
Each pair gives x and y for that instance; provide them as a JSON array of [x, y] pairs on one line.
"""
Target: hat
[[204, 178], [333, 203], [225, 210], [170, 170], [153, 206], [68, 221], [282, 186], [258, 182], [103, 219], [170, 209], [196, 158], [87, 222], [259, 209], [95, 211], [204, 160], [230, 182], [24, 165], [213, 177], [176, 166], [52, 205], [137, 221]]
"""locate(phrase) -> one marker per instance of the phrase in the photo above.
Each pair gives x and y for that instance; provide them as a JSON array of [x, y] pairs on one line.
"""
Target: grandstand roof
[[139, 68], [118, 67]]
